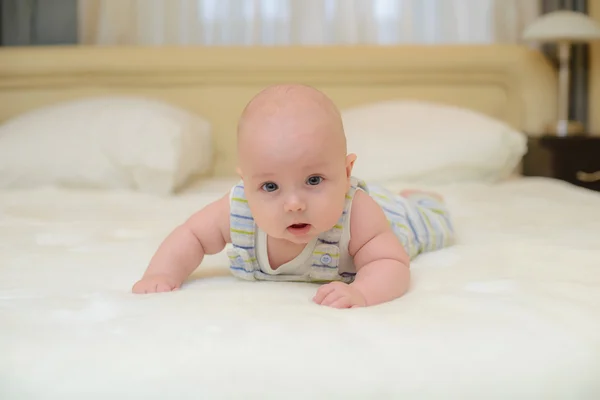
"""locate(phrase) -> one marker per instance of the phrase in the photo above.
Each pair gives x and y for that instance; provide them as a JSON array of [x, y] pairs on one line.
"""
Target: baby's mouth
[[298, 226], [299, 229]]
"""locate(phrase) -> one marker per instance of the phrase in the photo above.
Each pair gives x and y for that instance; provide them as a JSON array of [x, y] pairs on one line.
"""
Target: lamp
[[564, 28]]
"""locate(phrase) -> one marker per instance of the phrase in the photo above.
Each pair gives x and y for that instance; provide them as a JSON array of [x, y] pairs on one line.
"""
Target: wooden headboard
[[512, 83]]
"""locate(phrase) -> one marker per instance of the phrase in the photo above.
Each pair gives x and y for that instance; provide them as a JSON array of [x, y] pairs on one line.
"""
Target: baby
[[298, 213]]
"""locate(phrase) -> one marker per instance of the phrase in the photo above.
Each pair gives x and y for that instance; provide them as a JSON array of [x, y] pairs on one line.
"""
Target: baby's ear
[[350, 159], [238, 171]]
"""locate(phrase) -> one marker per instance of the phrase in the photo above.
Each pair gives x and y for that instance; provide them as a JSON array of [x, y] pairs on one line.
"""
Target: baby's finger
[[332, 297], [342, 302], [139, 287], [163, 287], [323, 292]]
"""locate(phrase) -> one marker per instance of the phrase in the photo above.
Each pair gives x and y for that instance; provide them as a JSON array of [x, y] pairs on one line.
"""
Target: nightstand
[[574, 159]]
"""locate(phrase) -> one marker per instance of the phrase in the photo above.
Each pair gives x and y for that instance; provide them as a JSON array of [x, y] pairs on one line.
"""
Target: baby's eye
[[270, 187], [314, 180]]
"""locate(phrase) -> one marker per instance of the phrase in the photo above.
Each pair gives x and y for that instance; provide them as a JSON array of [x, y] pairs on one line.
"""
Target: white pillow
[[430, 143], [112, 142]]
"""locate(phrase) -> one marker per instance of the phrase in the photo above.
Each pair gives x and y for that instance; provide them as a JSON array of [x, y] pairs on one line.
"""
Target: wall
[[594, 110]]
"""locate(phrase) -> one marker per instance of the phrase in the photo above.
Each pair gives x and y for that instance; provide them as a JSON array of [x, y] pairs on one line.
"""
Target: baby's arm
[[205, 232], [382, 264]]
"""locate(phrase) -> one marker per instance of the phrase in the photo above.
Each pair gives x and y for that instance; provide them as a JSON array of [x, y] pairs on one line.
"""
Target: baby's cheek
[[330, 214], [267, 217], [261, 217]]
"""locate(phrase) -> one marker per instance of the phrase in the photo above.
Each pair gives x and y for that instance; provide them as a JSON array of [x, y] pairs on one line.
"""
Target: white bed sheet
[[512, 311]]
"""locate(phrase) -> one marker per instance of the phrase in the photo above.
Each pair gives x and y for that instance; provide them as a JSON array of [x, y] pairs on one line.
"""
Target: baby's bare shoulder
[[212, 219], [367, 220], [371, 235]]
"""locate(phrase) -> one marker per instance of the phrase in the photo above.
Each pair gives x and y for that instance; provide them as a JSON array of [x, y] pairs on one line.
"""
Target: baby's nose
[[294, 204]]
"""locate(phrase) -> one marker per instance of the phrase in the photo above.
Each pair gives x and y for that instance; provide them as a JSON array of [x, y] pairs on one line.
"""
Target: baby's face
[[296, 182]]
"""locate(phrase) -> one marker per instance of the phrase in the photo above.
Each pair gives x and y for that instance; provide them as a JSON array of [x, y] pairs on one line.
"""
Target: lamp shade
[[571, 26]]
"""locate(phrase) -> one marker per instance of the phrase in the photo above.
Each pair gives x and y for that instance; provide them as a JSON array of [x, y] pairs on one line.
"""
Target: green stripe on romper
[[381, 196], [398, 224], [431, 232], [241, 231], [251, 259], [324, 252]]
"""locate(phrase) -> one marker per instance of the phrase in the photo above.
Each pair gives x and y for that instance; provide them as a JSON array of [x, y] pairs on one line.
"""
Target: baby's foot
[[417, 192]]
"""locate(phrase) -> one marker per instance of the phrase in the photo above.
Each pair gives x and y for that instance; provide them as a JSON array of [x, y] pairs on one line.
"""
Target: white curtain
[[303, 22]]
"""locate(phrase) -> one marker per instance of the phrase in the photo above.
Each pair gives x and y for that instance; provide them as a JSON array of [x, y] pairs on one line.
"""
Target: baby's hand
[[155, 284], [339, 295]]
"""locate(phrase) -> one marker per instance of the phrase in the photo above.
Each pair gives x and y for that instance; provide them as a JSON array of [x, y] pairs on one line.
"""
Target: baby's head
[[292, 158]]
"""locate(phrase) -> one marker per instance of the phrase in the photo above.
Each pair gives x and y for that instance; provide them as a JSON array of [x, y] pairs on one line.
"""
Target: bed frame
[[513, 83]]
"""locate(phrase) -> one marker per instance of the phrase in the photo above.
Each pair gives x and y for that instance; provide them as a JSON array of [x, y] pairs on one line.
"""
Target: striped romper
[[421, 222]]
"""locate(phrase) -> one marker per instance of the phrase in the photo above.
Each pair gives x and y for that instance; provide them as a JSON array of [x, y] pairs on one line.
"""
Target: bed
[[511, 311]]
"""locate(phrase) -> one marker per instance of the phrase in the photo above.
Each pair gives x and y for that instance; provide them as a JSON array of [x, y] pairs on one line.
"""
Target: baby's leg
[[429, 220], [419, 219]]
